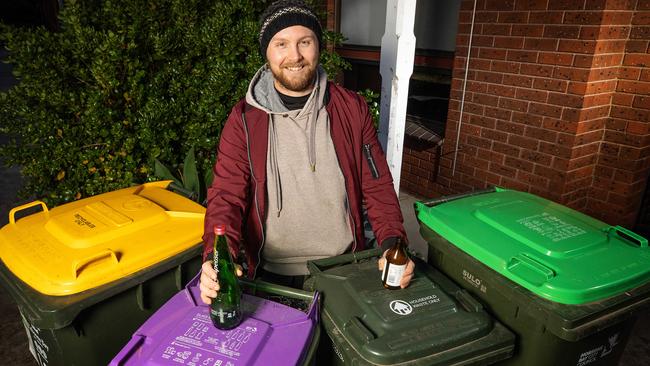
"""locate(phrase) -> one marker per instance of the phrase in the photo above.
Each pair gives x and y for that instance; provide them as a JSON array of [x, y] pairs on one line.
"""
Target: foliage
[[189, 180], [125, 83], [372, 99]]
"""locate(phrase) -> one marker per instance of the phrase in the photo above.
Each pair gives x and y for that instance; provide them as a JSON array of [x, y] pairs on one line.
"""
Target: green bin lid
[[426, 322], [557, 253]]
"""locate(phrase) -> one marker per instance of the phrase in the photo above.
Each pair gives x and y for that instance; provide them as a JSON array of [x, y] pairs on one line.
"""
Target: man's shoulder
[[340, 91]]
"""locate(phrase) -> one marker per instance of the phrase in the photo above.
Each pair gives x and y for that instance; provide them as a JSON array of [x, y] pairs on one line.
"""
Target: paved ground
[[13, 340]]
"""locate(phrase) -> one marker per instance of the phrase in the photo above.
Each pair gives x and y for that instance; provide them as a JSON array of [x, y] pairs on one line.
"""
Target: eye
[[305, 42], [280, 44]]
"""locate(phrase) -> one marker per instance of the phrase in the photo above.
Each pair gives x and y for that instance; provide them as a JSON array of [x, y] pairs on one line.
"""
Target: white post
[[396, 67]]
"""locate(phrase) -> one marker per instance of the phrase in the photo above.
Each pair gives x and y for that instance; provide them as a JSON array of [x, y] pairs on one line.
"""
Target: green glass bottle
[[225, 309]]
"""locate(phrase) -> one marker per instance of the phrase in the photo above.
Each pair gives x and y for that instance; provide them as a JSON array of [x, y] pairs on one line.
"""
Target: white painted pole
[[396, 67]]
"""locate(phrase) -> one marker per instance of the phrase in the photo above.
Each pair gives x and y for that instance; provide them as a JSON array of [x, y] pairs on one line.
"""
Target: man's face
[[292, 55]]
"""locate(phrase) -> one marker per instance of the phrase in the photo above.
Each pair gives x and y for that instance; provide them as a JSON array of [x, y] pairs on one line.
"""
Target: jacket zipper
[[257, 207], [371, 161], [347, 208]]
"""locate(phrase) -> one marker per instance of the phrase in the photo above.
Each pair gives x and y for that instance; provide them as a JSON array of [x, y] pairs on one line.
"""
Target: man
[[295, 160]]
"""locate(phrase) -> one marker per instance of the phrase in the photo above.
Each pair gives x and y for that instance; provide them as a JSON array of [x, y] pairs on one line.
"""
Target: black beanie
[[283, 14]]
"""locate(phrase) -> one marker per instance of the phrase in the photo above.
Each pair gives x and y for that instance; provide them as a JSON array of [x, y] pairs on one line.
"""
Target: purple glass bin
[[181, 333]]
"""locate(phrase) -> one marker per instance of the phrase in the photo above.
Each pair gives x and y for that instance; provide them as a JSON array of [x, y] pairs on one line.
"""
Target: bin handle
[[82, 264], [12, 213], [444, 199], [627, 235]]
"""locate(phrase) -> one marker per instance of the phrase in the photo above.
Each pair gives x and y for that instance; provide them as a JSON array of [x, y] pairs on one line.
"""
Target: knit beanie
[[286, 13]]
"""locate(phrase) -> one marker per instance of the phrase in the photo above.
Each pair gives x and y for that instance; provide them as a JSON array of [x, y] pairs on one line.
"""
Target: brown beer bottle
[[395, 265]]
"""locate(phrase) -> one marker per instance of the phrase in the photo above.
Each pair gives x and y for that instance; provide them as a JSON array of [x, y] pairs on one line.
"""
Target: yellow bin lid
[[93, 241]]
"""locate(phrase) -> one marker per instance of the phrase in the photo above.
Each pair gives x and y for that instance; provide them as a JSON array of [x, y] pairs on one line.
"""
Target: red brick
[[634, 87], [587, 138], [571, 73], [541, 44], [645, 75], [477, 41], [638, 128], [545, 110], [643, 5], [524, 142], [604, 32], [625, 138], [583, 17], [610, 46], [550, 84], [622, 99], [576, 46], [610, 4], [541, 134], [641, 101], [513, 104], [490, 155], [571, 114], [527, 30], [536, 70], [640, 33], [499, 114], [513, 184], [636, 46], [560, 125], [530, 5], [551, 174], [496, 29], [510, 127], [554, 149], [485, 17], [616, 124], [637, 60], [522, 56], [561, 31], [502, 170], [500, 5], [494, 135], [597, 60], [505, 66], [597, 100], [491, 53], [517, 80], [513, 17], [554, 58], [489, 77], [567, 100], [509, 42], [479, 64], [630, 153], [501, 90], [477, 87], [586, 150], [526, 119], [565, 5], [641, 18], [546, 17], [592, 125], [486, 99], [616, 18], [595, 112], [474, 108], [536, 157], [629, 73], [478, 142], [505, 149], [531, 94]]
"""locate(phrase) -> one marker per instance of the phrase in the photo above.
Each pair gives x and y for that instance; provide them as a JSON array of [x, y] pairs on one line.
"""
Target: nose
[[294, 54]]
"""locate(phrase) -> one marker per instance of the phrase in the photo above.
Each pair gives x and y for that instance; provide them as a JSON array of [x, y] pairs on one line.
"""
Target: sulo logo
[[401, 307]]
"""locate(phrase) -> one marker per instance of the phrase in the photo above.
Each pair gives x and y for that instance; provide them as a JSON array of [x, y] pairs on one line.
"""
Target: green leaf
[[190, 173], [162, 172]]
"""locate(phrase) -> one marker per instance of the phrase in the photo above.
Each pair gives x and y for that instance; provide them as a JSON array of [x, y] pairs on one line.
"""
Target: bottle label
[[395, 272]]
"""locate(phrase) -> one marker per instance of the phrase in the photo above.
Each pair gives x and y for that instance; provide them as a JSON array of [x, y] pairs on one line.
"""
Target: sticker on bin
[[181, 333]]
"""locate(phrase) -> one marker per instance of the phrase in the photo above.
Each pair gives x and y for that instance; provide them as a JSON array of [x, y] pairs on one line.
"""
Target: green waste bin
[[87, 274], [431, 322], [568, 285]]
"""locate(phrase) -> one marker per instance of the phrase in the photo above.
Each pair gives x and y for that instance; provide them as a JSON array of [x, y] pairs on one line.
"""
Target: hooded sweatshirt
[[307, 213]]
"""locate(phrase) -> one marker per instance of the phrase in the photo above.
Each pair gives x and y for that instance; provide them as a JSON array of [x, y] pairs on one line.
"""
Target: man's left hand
[[408, 272]]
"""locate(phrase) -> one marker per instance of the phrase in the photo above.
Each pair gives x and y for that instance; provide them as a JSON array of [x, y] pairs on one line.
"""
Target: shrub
[[122, 84]]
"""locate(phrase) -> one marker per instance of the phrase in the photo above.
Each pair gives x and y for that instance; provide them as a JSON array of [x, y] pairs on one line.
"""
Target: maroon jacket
[[237, 196]]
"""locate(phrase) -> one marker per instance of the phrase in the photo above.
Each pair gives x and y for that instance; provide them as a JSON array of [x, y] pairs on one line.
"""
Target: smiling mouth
[[295, 68]]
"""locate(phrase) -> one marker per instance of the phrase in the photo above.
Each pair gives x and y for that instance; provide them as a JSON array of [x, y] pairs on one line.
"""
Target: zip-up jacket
[[237, 197]]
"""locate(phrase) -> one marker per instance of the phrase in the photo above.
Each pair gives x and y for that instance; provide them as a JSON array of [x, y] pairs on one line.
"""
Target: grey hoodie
[[307, 209]]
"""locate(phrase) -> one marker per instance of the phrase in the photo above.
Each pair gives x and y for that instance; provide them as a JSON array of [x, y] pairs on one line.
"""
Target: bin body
[[85, 275], [568, 285], [270, 334], [431, 322]]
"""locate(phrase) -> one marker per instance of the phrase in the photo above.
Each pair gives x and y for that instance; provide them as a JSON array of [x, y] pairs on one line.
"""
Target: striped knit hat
[[286, 13]]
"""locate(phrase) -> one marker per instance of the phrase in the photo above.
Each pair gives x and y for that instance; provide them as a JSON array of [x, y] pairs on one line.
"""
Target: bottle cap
[[219, 229]]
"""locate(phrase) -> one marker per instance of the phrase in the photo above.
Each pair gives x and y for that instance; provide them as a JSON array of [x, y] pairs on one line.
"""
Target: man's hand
[[208, 283], [408, 272]]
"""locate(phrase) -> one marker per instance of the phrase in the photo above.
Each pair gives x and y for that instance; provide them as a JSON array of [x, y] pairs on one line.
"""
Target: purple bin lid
[[181, 333]]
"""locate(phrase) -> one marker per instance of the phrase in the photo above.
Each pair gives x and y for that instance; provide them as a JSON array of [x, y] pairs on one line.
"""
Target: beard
[[295, 82]]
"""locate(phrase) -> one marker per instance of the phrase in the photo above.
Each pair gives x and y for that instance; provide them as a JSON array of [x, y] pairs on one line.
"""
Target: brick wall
[[557, 103]]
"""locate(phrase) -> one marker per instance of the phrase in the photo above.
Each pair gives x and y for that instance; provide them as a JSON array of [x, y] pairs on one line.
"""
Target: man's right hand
[[208, 282]]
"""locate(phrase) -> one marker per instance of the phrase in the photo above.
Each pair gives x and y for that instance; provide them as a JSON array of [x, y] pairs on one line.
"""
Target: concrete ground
[[13, 340]]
